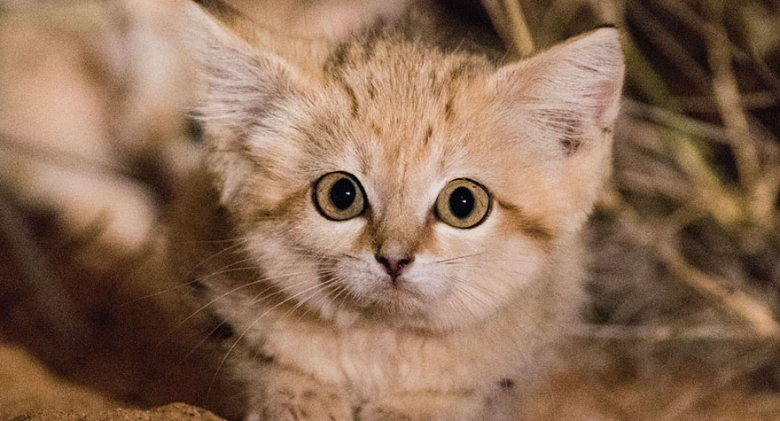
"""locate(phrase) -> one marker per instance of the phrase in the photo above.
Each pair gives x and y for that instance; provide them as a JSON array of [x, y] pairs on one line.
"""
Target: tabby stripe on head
[[334, 67], [531, 226], [455, 73]]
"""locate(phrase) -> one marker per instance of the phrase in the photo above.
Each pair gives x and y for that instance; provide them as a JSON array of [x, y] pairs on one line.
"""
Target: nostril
[[384, 262], [394, 266], [403, 262]]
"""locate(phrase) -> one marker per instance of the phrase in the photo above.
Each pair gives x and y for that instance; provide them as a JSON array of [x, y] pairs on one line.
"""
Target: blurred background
[[684, 278]]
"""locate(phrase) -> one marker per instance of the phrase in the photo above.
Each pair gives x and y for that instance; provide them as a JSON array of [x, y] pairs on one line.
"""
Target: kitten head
[[401, 183]]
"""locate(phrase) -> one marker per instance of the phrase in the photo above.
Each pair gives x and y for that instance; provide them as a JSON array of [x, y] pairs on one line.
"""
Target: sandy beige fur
[[319, 331]]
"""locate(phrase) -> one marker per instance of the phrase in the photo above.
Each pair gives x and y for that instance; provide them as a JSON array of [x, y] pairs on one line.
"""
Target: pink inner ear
[[570, 92], [608, 99]]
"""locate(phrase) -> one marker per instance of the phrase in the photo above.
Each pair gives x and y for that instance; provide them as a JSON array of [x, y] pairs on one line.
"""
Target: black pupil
[[461, 202], [342, 194]]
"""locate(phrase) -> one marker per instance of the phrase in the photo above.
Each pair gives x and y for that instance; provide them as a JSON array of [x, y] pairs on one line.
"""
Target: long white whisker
[[452, 259], [214, 300]]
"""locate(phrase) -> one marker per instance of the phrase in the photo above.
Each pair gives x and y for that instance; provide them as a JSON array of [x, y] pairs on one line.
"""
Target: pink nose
[[394, 266]]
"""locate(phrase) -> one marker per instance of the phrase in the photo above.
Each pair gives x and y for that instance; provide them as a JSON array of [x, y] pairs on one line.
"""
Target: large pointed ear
[[568, 98], [237, 79], [238, 86]]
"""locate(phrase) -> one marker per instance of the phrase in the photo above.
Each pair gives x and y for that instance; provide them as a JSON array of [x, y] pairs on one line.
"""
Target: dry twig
[[750, 310], [509, 21], [665, 333]]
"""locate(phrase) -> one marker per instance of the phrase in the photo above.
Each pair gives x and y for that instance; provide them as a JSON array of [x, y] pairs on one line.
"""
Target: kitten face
[[394, 124]]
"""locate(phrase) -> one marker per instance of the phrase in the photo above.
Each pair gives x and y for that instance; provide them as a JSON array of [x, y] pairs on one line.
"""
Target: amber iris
[[463, 203], [338, 196]]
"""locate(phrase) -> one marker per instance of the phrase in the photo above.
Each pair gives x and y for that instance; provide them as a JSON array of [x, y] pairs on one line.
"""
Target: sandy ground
[[173, 412], [30, 392], [28, 386]]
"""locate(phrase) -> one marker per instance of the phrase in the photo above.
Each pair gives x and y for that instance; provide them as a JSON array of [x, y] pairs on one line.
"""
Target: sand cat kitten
[[403, 220]]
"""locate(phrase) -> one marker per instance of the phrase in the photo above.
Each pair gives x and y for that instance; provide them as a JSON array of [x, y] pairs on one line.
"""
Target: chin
[[393, 302], [402, 309]]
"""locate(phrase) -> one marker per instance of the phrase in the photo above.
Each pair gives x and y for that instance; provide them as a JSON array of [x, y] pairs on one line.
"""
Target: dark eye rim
[[488, 211], [354, 180]]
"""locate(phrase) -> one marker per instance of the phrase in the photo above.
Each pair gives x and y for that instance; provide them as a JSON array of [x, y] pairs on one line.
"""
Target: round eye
[[339, 196], [463, 203]]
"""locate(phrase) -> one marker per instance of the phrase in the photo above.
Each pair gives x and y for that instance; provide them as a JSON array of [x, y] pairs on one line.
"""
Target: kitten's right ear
[[238, 81]]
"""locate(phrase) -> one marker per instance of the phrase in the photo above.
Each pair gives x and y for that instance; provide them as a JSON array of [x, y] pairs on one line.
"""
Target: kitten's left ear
[[569, 87], [568, 98]]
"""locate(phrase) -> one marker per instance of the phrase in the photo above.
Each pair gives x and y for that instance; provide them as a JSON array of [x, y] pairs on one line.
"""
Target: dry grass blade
[[673, 49], [508, 18], [750, 310], [668, 333], [727, 96]]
